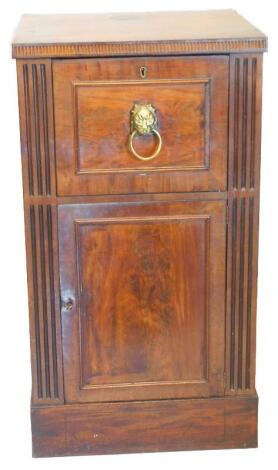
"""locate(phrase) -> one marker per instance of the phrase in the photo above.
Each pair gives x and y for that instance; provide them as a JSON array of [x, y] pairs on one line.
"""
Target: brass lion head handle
[[144, 122]]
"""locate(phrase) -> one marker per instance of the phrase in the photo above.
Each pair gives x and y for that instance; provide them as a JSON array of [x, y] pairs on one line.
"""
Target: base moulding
[[145, 426]]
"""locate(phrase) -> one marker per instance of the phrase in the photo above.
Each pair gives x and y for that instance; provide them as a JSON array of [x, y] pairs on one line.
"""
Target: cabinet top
[[154, 33]]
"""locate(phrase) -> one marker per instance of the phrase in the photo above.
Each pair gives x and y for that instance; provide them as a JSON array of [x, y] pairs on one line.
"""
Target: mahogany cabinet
[[140, 141]]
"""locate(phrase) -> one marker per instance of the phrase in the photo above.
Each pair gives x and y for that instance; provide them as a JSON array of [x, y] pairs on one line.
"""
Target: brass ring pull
[[156, 152], [144, 122]]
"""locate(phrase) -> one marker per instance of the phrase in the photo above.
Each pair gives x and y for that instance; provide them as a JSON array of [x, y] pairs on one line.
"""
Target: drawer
[[141, 124]]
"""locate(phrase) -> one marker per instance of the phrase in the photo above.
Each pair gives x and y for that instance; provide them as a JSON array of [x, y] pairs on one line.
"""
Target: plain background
[[15, 441]]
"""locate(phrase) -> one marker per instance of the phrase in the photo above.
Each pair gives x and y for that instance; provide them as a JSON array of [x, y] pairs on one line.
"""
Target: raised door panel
[[143, 300], [94, 100]]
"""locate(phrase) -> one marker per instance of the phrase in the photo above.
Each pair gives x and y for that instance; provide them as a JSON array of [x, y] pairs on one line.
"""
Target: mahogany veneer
[[142, 274]]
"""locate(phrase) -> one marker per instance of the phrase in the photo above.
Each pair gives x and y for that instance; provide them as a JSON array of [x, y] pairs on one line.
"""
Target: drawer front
[[143, 290], [141, 125]]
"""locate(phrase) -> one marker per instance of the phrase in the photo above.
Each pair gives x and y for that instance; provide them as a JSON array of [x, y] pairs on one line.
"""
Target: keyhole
[[143, 72], [67, 304]]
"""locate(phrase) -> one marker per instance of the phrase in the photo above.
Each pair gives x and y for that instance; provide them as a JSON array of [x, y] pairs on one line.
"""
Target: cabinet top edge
[[111, 34]]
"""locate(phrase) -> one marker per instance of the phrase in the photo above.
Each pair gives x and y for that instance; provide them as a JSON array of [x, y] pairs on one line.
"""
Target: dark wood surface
[[243, 207], [150, 426], [92, 125], [147, 285], [39, 185], [159, 309], [135, 34]]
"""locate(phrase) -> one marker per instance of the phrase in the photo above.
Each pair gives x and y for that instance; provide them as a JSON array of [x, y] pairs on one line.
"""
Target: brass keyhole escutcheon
[[143, 72], [67, 304], [144, 122]]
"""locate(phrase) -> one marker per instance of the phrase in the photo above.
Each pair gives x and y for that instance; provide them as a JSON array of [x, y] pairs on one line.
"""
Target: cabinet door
[[142, 289]]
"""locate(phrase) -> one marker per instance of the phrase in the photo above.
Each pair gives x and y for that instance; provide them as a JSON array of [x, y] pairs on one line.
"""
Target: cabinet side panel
[[243, 202], [39, 186]]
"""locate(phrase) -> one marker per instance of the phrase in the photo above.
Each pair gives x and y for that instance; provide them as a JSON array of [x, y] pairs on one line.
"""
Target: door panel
[[93, 103], [146, 283]]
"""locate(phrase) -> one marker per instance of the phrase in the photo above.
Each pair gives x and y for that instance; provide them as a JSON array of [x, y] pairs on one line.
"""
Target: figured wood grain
[[243, 201], [92, 125], [154, 323], [100, 107], [149, 426], [151, 337], [155, 33]]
